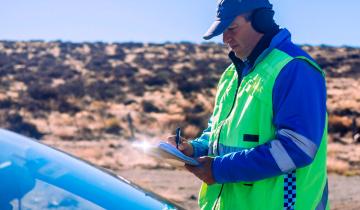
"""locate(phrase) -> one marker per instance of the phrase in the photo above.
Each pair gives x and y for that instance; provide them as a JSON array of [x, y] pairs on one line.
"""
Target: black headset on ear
[[262, 20]]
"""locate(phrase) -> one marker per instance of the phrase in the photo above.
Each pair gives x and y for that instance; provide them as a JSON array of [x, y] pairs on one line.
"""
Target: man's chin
[[239, 55]]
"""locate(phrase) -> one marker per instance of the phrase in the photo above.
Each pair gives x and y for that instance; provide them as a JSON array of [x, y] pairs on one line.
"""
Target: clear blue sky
[[313, 22]]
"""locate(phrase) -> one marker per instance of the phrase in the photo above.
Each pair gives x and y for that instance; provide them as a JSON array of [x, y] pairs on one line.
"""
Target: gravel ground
[[344, 192]]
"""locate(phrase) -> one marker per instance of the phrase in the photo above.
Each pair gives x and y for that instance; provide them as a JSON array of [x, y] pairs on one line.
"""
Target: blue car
[[35, 176]]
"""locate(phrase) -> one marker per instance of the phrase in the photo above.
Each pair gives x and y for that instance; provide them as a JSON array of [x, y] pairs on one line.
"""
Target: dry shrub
[[337, 166], [125, 70], [112, 126], [75, 87], [6, 104], [42, 92], [63, 106], [155, 81], [339, 124], [17, 124], [148, 106], [188, 86], [101, 90]]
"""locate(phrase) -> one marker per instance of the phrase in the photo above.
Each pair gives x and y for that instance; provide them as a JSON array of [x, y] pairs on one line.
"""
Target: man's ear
[[262, 20]]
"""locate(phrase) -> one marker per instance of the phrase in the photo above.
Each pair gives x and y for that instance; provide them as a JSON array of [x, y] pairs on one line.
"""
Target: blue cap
[[228, 10]]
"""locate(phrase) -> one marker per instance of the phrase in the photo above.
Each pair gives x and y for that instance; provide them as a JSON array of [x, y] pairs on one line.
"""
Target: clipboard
[[169, 153]]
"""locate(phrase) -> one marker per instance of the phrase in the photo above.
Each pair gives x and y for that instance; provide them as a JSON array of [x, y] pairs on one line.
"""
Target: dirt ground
[[176, 184]]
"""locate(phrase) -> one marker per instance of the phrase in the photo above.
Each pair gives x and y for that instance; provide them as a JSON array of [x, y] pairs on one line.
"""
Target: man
[[265, 147]]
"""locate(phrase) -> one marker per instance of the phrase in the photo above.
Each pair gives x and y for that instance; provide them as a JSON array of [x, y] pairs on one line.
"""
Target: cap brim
[[217, 28]]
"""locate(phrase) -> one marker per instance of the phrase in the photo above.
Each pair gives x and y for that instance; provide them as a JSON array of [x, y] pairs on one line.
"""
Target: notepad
[[167, 151]]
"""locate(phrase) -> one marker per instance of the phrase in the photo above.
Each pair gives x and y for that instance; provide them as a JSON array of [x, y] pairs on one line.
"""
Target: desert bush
[[86, 133], [17, 125], [354, 70], [339, 128], [20, 58], [117, 82], [46, 61], [148, 106], [33, 62], [65, 107], [186, 86], [346, 112], [59, 71], [34, 106], [141, 61], [156, 80], [168, 61], [40, 91], [26, 77], [67, 47], [203, 66], [189, 47], [7, 70], [136, 87], [112, 126], [196, 116], [4, 60], [339, 124], [195, 119], [8, 44], [130, 45], [129, 101], [125, 70], [75, 87], [209, 82], [101, 90], [6, 104], [119, 54], [97, 47], [220, 66], [198, 108], [354, 56], [323, 62], [204, 47], [99, 63]]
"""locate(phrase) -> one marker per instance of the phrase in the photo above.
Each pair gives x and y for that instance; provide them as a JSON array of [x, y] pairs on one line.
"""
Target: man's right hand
[[184, 146]]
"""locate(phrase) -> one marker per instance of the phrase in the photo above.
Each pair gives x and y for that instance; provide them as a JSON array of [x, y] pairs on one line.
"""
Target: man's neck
[[260, 46], [252, 45]]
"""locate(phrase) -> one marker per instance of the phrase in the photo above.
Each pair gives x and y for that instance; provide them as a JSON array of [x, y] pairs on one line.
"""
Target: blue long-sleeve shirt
[[299, 106]]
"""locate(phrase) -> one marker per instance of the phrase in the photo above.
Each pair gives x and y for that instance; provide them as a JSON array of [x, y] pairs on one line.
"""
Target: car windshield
[[35, 176]]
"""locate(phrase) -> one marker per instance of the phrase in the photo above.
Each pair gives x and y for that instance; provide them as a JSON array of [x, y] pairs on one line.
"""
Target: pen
[[177, 137]]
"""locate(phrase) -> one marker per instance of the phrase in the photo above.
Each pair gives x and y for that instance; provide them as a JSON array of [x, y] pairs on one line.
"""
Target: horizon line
[[160, 43]]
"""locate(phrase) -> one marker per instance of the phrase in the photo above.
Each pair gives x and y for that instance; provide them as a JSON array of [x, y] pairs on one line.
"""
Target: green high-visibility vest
[[247, 110]]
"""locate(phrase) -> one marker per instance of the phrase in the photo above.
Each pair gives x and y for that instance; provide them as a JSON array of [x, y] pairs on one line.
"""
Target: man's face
[[240, 37]]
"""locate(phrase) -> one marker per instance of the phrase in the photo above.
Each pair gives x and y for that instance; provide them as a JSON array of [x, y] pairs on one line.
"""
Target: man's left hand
[[203, 171]]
